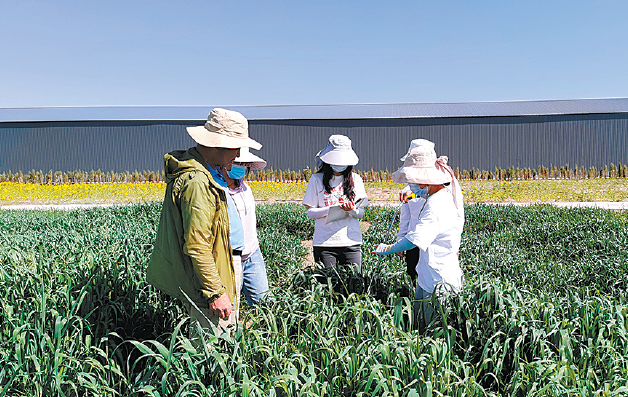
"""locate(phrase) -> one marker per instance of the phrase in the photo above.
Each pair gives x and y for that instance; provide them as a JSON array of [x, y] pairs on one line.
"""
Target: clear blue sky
[[271, 52]]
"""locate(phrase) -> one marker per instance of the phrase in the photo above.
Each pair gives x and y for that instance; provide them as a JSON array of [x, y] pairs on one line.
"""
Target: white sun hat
[[338, 152], [422, 166], [225, 129], [418, 142], [250, 160]]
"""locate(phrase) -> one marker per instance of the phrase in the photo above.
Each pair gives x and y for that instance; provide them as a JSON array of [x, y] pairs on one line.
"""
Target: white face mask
[[338, 168]]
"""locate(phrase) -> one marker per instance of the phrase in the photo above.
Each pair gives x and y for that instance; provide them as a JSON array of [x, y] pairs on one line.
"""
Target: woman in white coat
[[435, 228]]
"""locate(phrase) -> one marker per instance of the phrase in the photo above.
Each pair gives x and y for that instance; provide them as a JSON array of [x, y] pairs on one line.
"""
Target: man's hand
[[221, 307]]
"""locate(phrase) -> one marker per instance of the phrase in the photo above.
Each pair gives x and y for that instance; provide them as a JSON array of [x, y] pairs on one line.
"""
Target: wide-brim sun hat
[[225, 129], [250, 160], [418, 142], [422, 167], [338, 152]]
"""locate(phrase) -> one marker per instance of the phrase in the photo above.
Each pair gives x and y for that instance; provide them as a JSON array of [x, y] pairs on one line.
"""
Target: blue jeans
[[254, 279]]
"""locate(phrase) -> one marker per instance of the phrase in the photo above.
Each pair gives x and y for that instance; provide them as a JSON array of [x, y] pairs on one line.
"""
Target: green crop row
[[544, 312], [277, 175]]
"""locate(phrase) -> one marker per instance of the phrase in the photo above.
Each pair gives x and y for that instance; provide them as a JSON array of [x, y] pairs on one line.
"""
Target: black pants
[[330, 256], [412, 258]]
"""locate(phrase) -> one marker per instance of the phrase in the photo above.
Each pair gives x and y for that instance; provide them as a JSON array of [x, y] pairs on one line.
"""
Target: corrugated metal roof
[[316, 112]]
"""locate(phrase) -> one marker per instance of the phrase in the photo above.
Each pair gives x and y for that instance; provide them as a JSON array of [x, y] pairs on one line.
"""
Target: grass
[[475, 191], [544, 312]]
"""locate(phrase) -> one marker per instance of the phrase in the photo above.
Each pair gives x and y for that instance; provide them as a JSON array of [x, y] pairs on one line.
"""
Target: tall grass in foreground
[[78, 318]]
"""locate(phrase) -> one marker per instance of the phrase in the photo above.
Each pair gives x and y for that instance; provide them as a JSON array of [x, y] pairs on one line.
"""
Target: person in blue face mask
[[254, 278], [435, 227], [337, 241], [412, 197]]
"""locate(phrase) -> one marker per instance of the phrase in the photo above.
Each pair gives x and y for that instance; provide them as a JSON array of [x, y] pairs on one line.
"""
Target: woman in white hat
[[336, 188], [410, 203], [435, 228], [254, 278]]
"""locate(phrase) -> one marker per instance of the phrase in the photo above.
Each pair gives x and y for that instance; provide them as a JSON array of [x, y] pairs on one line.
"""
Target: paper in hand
[[336, 213]]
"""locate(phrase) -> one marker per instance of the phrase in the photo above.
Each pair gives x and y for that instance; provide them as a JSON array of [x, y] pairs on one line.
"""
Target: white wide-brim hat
[[250, 160], [338, 152], [225, 129], [418, 142], [422, 166]]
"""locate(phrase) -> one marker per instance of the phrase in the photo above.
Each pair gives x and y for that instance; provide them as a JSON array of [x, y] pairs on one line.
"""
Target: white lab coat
[[437, 230]]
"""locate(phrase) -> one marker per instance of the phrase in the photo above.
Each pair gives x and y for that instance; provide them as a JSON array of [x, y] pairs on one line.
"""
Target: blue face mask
[[338, 168], [237, 172], [416, 189]]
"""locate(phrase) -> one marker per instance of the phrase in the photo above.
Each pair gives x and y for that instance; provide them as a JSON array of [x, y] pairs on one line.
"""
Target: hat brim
[[252, 161], [425, 176], [340, 158], [211, 139]]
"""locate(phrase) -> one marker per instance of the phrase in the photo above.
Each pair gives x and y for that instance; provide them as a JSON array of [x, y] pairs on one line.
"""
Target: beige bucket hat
[[338, 152], [250, 160], [418, 142], [422, 166], [225, 129]]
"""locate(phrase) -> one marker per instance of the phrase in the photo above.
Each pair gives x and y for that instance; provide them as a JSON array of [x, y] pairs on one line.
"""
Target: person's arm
[[310, 200], [402, 245], [198, 209], [315, 212], [404, 221]]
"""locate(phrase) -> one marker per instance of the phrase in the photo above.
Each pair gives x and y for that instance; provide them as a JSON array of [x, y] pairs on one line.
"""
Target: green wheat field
[[544, 312]]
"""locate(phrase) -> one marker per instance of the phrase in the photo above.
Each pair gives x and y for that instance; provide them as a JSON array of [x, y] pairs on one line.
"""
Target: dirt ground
[[309, 260]]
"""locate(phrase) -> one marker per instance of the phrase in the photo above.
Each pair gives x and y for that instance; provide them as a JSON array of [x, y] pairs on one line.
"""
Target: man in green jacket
[[192, 257]]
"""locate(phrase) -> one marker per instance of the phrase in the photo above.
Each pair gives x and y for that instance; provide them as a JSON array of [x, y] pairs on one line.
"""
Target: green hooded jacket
[[192, 251]]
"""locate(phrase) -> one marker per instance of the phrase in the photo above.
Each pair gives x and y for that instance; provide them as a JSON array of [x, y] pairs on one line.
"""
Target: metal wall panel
[[471, 142], [481, 143], [108, 146]]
